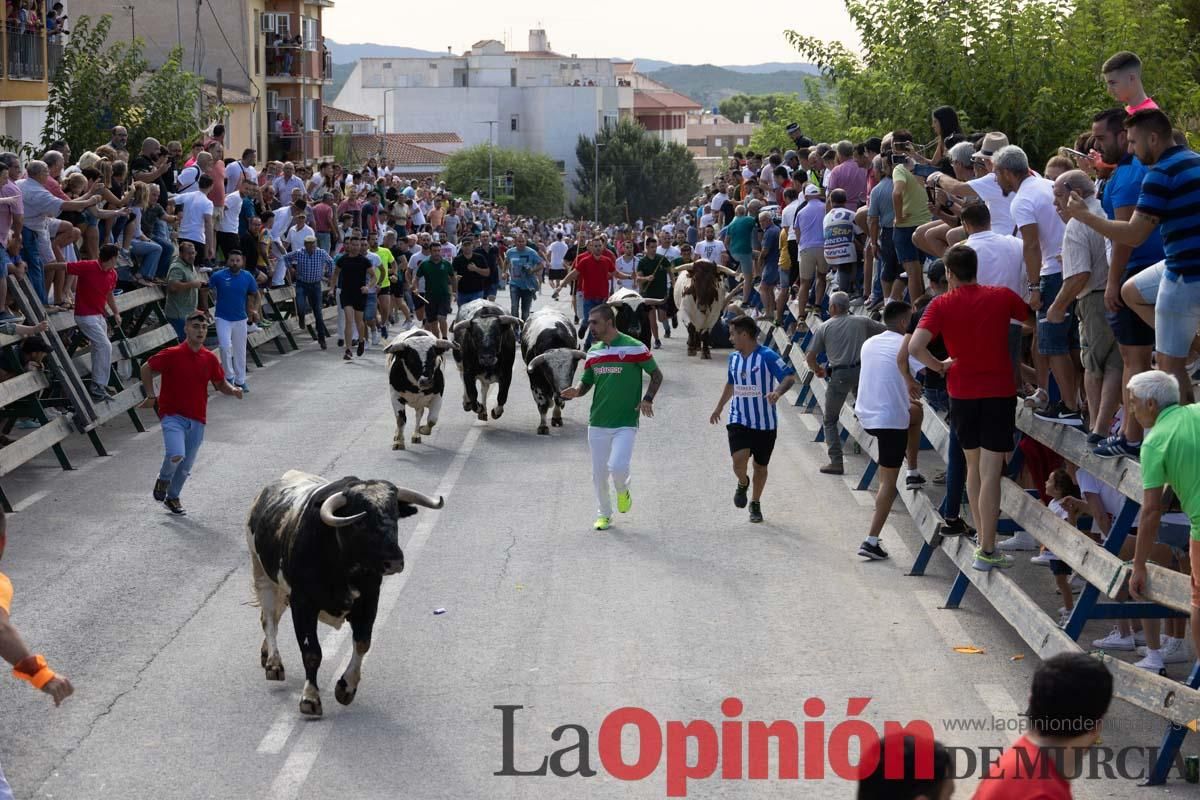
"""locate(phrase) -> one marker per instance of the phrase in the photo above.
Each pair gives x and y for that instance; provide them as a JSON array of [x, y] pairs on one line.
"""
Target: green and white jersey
[[616, 371]]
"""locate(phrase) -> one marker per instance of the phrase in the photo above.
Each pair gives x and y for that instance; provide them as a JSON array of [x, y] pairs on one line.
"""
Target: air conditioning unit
[[267, 24], [272, 101]]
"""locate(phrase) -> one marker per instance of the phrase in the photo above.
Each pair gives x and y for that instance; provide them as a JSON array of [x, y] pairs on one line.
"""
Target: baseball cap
[[308, 239], [811, 190], [790, 154], [197, 314]]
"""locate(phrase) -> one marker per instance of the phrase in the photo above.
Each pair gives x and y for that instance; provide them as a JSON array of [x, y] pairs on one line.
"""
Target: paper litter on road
[[969, 651]]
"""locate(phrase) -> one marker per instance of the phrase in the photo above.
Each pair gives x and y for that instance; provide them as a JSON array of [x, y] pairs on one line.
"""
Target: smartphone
[[1066, 151]]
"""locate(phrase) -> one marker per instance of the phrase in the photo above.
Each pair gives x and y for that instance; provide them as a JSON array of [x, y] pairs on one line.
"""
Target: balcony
[[26, 53], [301, 147], [298, 62]]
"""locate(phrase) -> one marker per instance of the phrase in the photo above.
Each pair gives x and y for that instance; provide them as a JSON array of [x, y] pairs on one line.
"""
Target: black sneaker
[[833, 468], [341, 342], [1061, 415], [160, 489], [1119, 448], [321, 342], [940, 478], [874, 552], [739, 495], [756, 512], [362, 346], [1094, 439], [955, 527], [174, 506], [914, 481], [346, 356]]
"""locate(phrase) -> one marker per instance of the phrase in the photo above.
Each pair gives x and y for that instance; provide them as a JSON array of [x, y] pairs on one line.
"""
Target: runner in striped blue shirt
[[758, 377]]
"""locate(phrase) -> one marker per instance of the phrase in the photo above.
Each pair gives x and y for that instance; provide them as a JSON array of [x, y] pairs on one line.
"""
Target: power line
[[232, 52]]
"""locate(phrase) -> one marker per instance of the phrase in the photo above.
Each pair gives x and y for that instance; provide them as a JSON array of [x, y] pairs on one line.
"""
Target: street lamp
[[383, 141], [596, 145], [491, 137]]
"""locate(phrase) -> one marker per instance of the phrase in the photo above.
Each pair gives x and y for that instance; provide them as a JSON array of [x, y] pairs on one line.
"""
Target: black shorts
[[893, 442], [1059, 567], [397, 289], [986, 422], [557, 274], [355, 299], [437, 308], [1129, 329], [887, 254], [760, 443]]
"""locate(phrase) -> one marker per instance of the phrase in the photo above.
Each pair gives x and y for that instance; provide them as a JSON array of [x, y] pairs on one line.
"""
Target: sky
[[611, 29]]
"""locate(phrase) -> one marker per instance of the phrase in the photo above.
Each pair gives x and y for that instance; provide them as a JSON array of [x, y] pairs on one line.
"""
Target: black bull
[[485, 348], [634, 313], [324, 548]]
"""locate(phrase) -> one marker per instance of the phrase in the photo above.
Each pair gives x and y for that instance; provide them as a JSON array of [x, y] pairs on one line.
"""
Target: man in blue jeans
[[182, 404], [523, 266], [312, 265]]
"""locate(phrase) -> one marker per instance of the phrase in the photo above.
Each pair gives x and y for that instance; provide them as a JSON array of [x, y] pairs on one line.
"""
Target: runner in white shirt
[[710, 248]]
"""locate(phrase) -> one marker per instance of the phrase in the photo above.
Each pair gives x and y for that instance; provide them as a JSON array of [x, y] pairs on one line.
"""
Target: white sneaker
[[1114, 641], [1077, 584], [253, 328], [1153, 661], [1064, 615], [1044, 559], [1022, 540], [1139, 638], [1177, 652]]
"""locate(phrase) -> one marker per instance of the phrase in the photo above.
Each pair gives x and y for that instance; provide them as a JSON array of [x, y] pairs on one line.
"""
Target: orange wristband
[[41, 675]]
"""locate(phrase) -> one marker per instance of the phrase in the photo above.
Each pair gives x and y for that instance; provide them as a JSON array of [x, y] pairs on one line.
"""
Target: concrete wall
[[23, 119]]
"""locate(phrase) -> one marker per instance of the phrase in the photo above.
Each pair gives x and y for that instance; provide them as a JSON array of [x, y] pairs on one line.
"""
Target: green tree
[[537, 182], [1029, 68], [821, 118], [756, 105], [95, 88], [640, 175]]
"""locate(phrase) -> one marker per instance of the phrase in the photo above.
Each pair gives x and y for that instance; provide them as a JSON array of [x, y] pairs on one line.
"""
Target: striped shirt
[[753, 377], [1171, 192], [310, 267]]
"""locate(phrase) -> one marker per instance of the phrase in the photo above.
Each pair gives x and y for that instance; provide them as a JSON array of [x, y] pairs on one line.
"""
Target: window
[[512, 79], [741, 140], [387, 65], [312, 114], [272, 100], [716, 141], [309, 31], [283, 23], [514, 122]]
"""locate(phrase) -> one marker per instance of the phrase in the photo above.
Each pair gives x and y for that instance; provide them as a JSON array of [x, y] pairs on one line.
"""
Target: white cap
[[811, 190]]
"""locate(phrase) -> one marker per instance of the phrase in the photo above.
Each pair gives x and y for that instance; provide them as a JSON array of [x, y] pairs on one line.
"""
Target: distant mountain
[[349, 53], [709, 85], [646, 65]]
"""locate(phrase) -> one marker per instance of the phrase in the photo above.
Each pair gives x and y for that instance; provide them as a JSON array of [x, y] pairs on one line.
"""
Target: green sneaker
[[602, 523], [624, 501], [986, 563]]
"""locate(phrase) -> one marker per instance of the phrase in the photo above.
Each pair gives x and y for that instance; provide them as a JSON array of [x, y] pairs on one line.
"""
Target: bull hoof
[[311, 708], [426, 429], [343, 693], [556, 422], [497, 412], [416, 438], [543, 430], [468, 405], [481, 416], [691, 351], [262, 654], [706, 355], [398, 445], [274, 672]]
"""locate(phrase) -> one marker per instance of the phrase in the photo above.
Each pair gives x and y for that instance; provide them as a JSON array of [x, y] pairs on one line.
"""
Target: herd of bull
[[323, 547]]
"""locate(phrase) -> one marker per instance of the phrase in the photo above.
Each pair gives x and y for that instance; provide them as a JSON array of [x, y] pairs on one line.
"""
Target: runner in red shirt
[[973, 322], [594, 269], [1070, 695], [182, 404]]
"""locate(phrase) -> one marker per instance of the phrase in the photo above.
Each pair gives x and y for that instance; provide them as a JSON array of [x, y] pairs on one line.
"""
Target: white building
[[535, 100]]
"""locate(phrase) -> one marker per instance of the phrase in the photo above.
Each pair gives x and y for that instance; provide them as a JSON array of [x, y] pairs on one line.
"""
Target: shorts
[[902, 240], [893, 442], [439, 309], [793, 248], [770, 276], [1055, 338], [812, 261], [986, 422], [1097, 342], [354, 299], [370, 306], [1176, 308], [887, 254], [760, 443], [1175, 535], [5, 262], [1059, 567], [745, 262], [557, 274], [396, 289]]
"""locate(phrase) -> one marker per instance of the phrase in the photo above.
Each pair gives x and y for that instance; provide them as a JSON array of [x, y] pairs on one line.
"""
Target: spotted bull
[[324, 547], [701, 296], [551, 352], [485, 347], [414, 364], [634, 314]]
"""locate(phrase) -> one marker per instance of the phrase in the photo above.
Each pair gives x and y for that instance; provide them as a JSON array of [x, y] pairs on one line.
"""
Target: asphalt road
[[681, 605]]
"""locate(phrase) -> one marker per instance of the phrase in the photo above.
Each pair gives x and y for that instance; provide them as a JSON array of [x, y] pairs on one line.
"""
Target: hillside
[[708, 85]]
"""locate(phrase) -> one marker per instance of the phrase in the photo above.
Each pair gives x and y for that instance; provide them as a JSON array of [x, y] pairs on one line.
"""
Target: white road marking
[[809, 421], [998, 700], [28, 501], [864, 498], [303, 755], [895, 545]]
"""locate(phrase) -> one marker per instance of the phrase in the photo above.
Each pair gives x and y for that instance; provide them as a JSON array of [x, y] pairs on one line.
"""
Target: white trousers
[[95, 328], [231, 337], [612, 451]]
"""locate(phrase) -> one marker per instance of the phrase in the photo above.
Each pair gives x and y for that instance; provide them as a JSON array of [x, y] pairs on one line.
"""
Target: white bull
[[701, 297]]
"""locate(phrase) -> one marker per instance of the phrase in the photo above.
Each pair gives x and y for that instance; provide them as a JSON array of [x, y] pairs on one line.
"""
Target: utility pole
[[491, 146], [132, 29], [383, 141]]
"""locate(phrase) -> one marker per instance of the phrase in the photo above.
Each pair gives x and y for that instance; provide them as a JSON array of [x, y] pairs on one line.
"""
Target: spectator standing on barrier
[[1168, 456], [1068, 700], [94, 293], [911, 206], [187, 369], [984, 187], [41, 209], [881, 219], [312, 265], [889, 408], [1167, 294], [841, 235], [196, 220], [1085, 273], [757, 378], [973, 321], [27, 666], [183, 288], [236, 302], [1123, 79], [841, 339], [1135, 338], [810, 220]]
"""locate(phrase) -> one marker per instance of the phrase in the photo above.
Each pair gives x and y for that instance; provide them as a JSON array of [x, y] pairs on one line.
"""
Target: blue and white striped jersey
[[753, 377]]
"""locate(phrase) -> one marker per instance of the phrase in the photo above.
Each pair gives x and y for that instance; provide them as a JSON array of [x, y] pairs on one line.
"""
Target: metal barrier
[[1168, 593]]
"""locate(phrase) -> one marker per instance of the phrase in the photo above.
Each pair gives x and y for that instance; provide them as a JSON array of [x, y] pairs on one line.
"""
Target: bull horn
[[443, 344], [395, 347], [579, 354], [538, 359], [330, 508], [417, 499], [730, 272], [511, 320], [683, 268], [654, 301], [458, 326]]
